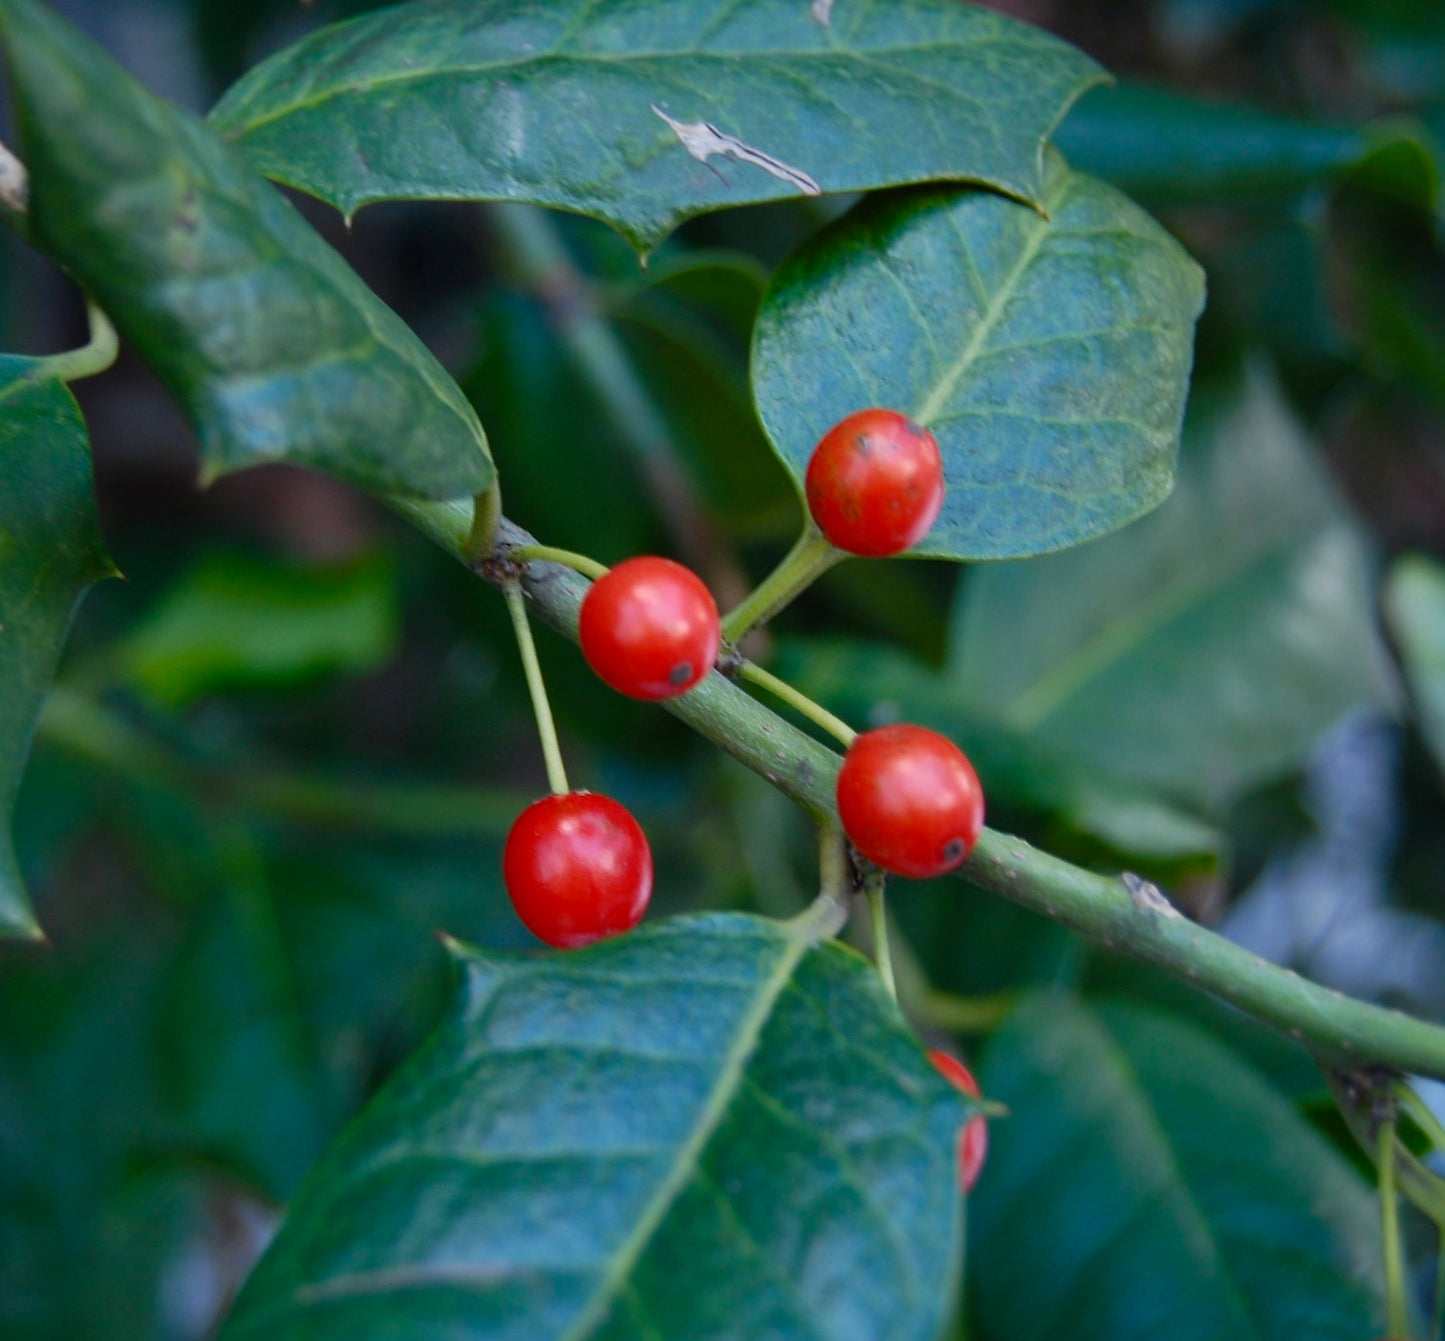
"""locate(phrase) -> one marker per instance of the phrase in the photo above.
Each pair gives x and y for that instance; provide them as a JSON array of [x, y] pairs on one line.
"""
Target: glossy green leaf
[[1414, 601], [1148, 1183], [235, 621], [50, 552], [1170, 148], [1049, 353], [274, 346], [709, 1128], [1205, 648], [1075, 807], [647, 113]]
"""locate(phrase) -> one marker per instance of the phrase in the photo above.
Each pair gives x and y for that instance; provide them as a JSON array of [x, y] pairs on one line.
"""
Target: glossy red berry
[[649, 628], [578, 868], [875, 483], [973, 1139], [910, 800]]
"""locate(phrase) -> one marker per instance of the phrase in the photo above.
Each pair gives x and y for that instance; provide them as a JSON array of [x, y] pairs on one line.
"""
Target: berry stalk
[[798, 701], [541, 708], [1123, 914], [811, 556]]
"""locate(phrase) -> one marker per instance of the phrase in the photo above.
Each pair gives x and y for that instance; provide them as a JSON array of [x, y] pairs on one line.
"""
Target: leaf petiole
[[93, 357]]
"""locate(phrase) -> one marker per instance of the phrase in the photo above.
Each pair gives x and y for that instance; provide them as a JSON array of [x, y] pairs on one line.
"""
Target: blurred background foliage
[[285, 748]]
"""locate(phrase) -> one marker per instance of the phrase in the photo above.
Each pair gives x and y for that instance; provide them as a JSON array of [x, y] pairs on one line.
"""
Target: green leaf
[[1170, 148], [1414, 603], [709, 1128], [239, 621], [233, 1057], [274, 346], [590, 107], [50, 553], [1049, 353], [1147, 1183], [1204, 649], [1074, 807]]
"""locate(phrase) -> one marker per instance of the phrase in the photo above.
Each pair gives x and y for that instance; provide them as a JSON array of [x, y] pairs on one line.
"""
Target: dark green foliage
[[594, 1146], [276, 349], [567, 104], [1048, 353], [50, 552], [276, 767]]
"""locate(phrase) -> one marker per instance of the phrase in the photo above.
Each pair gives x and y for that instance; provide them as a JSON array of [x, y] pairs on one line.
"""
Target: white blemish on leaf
[[822, 11], [14, 182], [703, 141]]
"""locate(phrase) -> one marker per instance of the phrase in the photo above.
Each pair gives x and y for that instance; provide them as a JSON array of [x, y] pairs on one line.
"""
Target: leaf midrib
[[1148, 1113], [1096, 655], [1038, 232], [730, 1076], [623, 1262]]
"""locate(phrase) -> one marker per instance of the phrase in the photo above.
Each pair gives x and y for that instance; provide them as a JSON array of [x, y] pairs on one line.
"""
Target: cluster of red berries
[[577, 865]]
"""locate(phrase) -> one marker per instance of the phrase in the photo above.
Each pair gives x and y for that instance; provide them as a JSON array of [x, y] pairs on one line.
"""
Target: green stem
[[1437, 1314], [798, 701], [541, 708], [963, 1014], [93, 357], [578, 563], [1128, 916], [1367, 1098], [878, 922], [1421, 1114], [811, 556], [1395, 1310]]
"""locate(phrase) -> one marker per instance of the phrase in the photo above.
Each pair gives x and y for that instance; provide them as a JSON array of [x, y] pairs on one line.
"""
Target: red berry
[[973, 1139], [875, 483], [578, 868], [910, 800], [649, 628]]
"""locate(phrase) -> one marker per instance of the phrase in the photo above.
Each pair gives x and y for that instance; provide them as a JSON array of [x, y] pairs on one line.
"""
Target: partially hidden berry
[[875, 483], [577, 868], [910, 800], [973, 1139], [649, 628]]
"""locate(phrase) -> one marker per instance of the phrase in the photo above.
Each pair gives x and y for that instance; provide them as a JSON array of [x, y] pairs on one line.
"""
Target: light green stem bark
[[1121, 913]]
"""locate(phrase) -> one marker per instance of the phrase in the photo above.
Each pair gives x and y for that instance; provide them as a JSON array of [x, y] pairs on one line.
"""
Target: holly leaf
[[646, 114], [711, 1127], [1048, 352], [1169, 1190], [1169, 148], [237, 621], [50, 554], [1205, 649], [273, 345]]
